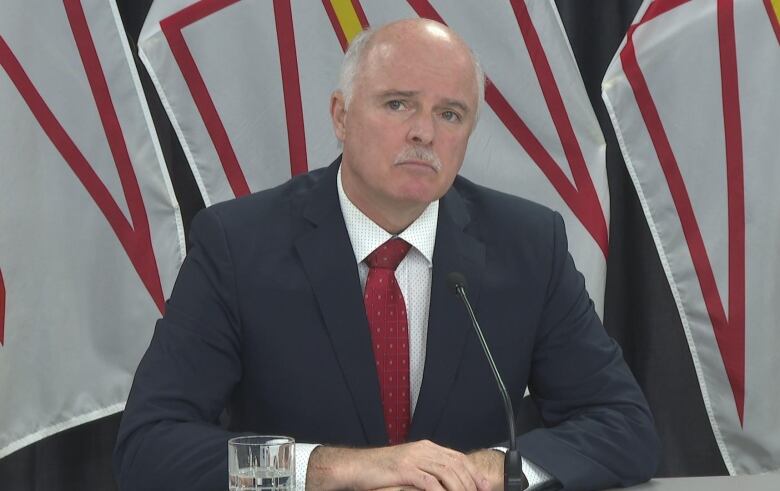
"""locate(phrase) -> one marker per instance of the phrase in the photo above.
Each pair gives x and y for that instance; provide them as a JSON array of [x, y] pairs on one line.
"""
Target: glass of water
[[261, 463]]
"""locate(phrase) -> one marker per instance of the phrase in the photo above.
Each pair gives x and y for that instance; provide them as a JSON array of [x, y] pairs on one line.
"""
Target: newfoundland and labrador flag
[[90, 234], [693, 96], [247, 86]]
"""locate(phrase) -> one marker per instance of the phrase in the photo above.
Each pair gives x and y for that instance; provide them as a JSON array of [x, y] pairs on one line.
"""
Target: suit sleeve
[[169, 437], [599, 430]]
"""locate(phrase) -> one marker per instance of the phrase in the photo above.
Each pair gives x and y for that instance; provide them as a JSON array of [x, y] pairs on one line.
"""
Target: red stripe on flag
[[584, 201], [734, 336], [172, 27], [517, 127], [660, 7], [293, 107], [773, 19], [139, 244], [334, 21], [592, 214], [693, 237], [134, 247], [361, 15], [64, 144], [2, 309]]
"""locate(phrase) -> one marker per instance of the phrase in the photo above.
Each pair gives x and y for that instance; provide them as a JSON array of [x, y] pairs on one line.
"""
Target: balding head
[[416, 30]]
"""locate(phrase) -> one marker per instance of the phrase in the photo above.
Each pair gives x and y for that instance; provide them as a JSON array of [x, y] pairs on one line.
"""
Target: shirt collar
[[366, 235]]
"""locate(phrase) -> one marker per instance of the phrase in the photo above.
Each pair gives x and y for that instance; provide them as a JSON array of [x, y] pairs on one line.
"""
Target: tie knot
[[389, 255]]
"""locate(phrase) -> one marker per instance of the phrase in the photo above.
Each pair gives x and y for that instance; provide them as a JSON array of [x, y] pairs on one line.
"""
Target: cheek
[[452, 150], [372, 135]]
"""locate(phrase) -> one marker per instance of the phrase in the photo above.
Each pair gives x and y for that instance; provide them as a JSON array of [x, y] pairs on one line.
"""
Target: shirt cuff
[[536, 475], [302, 453]]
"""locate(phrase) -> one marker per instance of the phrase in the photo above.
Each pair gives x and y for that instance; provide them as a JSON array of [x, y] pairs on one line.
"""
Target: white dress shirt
[[414, 278]]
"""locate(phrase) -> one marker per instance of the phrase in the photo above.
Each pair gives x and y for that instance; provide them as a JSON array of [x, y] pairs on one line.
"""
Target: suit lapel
[[448, 322], [329, 261]]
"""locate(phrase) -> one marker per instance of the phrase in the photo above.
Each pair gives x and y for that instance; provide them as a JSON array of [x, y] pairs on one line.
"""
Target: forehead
[[430, 65]]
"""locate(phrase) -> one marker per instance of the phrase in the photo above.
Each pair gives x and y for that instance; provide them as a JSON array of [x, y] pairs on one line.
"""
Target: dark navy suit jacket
[[267, 321]]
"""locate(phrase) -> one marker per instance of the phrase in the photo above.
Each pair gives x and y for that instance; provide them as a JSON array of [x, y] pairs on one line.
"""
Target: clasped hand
[[421, 465]]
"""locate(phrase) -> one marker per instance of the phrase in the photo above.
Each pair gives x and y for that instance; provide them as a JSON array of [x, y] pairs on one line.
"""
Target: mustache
[[421, 154]]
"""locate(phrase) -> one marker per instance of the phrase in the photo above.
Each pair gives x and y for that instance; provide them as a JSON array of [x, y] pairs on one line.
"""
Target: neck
[[392, 219]]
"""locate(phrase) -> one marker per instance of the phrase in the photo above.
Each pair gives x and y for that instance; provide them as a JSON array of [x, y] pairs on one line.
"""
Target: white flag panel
[[692, 99], [91, 236]]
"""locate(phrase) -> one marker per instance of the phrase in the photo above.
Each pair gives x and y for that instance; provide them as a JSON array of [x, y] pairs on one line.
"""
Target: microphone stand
[[514, 479]]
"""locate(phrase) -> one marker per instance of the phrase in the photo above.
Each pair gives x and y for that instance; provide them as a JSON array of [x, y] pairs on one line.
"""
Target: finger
[[471, 473], [429, 466], [454, 463], [398, 467], [426, 481], [446, 476], [471, 476], [451, 473]]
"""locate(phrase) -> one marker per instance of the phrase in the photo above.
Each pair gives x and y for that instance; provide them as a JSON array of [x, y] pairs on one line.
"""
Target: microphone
[[514, 479]]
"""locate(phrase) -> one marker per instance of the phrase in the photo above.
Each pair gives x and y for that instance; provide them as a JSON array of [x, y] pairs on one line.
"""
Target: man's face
[[405, 132]]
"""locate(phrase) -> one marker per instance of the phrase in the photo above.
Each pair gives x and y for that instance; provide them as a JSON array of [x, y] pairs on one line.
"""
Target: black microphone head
[[456, 280]]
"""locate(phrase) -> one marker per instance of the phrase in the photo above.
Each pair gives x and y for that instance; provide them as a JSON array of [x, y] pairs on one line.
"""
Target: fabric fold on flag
[[693, 102], [91, 233]]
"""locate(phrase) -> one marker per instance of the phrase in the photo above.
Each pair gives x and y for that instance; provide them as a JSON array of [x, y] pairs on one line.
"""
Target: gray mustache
[[419, 153]]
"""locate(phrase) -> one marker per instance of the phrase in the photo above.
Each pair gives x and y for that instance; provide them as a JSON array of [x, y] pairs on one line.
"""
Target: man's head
[[407, 102]]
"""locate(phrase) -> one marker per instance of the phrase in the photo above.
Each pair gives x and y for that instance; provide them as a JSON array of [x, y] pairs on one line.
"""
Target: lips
[[419, 163]]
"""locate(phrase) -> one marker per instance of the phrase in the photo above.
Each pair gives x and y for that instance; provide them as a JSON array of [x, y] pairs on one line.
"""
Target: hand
[[491, 464], [419, 465]]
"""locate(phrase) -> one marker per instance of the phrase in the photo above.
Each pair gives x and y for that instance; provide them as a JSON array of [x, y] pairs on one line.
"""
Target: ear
[[338, 115]]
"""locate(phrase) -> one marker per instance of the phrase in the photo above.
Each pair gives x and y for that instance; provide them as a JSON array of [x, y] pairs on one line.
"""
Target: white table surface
[[759, 482]]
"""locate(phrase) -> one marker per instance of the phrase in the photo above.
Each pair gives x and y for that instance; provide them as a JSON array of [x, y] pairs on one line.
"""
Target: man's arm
[[169, 437], [600, 431]]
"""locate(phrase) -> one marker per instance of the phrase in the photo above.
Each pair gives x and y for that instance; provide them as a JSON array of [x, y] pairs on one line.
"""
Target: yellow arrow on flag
[[773, 10], [348, 18]]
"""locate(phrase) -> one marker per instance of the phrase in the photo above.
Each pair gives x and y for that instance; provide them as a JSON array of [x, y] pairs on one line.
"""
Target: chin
[[420, 197], [419, 191]]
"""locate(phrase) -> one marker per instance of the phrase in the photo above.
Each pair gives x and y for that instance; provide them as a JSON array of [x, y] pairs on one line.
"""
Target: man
[[277, 314]]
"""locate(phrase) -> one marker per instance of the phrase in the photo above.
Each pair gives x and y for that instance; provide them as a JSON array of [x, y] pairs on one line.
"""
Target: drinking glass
[[261, 463]]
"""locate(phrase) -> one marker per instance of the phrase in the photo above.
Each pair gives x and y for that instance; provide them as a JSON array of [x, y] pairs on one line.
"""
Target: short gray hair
[[351, 64]]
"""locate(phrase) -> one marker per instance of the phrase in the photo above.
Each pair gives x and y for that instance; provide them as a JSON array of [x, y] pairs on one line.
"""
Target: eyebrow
[[454, 103], [397, 93]]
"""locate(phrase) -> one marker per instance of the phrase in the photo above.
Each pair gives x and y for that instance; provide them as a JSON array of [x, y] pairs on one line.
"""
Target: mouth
[[418, 163], [419, 159]]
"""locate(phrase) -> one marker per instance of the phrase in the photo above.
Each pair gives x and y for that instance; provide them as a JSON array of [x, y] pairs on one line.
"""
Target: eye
[[395, 105], [451, 116]]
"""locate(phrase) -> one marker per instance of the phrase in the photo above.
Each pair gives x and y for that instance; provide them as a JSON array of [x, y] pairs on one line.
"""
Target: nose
[[421, 129]]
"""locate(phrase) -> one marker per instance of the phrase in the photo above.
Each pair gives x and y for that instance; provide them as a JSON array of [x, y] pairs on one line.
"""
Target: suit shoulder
[[502, 210], [267, 207]]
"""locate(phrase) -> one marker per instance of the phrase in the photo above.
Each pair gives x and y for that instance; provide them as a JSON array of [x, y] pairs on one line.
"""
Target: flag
[[90, 233], [247, 84], [692, 94]]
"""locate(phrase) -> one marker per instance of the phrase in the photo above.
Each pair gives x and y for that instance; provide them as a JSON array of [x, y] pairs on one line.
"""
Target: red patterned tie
[[386, 312]]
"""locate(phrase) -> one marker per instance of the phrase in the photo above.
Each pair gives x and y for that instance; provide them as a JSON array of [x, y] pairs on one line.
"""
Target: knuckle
[[429, 479], [406, 462]]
